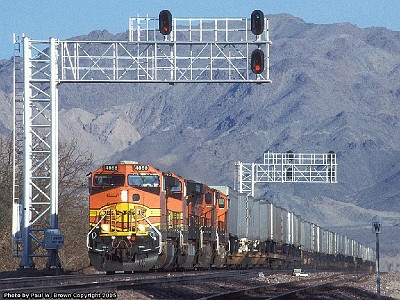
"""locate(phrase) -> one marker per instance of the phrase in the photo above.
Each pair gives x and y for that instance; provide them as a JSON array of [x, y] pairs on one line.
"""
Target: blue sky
[[42, 19]]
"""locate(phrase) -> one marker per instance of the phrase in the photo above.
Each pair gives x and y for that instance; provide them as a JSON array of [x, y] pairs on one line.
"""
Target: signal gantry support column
[[35, 216]]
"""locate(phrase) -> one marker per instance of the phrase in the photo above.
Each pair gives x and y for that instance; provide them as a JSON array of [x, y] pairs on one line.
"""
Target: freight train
[[144, 219]]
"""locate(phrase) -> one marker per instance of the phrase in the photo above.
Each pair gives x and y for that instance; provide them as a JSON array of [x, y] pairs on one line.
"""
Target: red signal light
[[257, 61], [165, 22]]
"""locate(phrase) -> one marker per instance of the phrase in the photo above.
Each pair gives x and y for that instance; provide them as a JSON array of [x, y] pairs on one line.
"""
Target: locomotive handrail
[[156, 230], [95, 226]]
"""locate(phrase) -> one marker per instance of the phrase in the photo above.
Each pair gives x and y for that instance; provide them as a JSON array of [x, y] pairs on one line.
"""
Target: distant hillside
[[335, 87]]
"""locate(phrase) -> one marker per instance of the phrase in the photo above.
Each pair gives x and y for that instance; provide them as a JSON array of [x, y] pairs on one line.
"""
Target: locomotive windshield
[[147, 180], [109, 179]]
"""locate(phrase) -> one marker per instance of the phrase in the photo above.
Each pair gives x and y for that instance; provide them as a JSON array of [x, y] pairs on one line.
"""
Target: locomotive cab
[[133, 210]]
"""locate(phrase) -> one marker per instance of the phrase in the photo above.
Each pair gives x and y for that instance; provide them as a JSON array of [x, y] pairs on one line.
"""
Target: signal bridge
[[198, 50], [163, 50], [286, 167]]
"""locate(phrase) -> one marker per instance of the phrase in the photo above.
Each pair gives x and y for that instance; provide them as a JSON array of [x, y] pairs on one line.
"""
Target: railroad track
[[37, 281], [250, 286], [69, 284], [289, 290], [236, 284]]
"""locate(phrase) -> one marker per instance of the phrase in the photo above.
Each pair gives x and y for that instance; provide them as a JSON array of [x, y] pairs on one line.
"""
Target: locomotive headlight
[[141, 227], [124, 196], [105, 227]]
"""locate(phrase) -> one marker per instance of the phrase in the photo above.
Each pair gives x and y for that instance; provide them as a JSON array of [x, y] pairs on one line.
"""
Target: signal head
[[257, 22], [257, 61], [165, 22]]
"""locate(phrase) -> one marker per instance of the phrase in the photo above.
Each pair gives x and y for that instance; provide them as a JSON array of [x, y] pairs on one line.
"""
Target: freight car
[[144, 219]]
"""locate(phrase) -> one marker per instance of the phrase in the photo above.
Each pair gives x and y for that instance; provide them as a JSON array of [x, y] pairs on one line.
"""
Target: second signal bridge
[[287, 167]]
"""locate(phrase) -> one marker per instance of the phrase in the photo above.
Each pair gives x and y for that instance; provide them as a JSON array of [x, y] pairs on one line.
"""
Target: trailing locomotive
[[144, 219]]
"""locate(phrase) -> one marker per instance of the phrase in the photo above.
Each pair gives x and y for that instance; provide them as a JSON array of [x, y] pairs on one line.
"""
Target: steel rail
[[311, 289], [106, 282]]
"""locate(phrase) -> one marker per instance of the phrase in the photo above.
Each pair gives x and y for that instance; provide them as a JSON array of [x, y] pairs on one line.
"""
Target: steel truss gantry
[[286, 167], [197, 51]]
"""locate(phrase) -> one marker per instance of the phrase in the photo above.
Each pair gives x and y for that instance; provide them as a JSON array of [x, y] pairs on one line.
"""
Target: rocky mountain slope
[[335, 87]]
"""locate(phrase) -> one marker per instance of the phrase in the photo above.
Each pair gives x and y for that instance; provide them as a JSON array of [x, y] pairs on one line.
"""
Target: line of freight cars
[[290, 240], [145, 219]]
